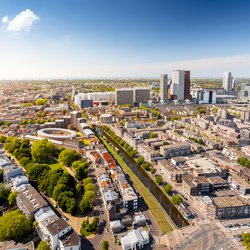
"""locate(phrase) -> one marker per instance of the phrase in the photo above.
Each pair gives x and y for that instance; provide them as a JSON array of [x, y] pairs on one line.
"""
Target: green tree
[[43, 245], [167, 188], [146, 166], [12, 198], [43, 151], [81, 172], [140, 160], [176, 199], [89, 187], [152, 171], [86, 203], [105, 245], [68, 156], [4, 193], [246, 240], [2, 138], [88, 180], [14, 226], [152, 135], [66, 201], [41, 101], [158, 179]]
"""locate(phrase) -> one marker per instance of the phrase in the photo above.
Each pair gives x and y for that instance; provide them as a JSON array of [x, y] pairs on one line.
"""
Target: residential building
[[178, 149], [225, 207], [134, 239], [29, 201], [195, 186]]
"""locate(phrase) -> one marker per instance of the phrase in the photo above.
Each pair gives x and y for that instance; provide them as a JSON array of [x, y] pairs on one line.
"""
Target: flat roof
[[229, 201], [203, 165]]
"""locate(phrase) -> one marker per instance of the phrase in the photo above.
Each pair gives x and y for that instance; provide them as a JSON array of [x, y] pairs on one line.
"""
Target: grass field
[[155, 207], [57, 166]]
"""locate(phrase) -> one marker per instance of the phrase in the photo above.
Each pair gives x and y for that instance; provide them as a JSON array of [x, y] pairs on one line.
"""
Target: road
[[209, 237]]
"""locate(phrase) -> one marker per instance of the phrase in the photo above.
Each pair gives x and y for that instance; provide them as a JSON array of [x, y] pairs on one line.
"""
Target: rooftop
[[229, 201], [31, 199], [57, 226]]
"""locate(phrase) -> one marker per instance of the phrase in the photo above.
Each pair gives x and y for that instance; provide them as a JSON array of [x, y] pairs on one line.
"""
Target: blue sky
[[123, 38]]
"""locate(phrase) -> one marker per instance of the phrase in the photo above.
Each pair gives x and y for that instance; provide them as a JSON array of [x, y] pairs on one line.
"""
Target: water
[[173, 212]]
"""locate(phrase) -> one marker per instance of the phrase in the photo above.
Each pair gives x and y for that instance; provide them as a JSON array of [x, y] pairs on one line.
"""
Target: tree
[[41, 101], [12, 198], [68, 156], [81, 172], [14, 226], [43, 151], [60, 188], [66, 201], [105, 245], [86, 203], [168, 188], [158, 179], [43, 245], [2, 138], [176, 199], [89, 187], [88, 180], [4, 193], [246, 239], [152, 171], [146, 166], [152, 135], [88, 228], [140, 160]]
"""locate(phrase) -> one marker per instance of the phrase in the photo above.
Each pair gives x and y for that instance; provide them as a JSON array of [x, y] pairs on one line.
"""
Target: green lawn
[[155, 207], [57, 166]]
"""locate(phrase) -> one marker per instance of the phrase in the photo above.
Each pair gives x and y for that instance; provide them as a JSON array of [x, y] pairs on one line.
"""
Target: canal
[[173, 212]]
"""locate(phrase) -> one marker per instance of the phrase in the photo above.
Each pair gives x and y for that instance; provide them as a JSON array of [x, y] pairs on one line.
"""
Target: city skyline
[[96, 39]]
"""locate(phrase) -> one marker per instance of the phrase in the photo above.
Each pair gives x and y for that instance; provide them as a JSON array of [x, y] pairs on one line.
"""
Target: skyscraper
[[164, 87], [180, 87], [228, 83], [187, 84], [177, 87]]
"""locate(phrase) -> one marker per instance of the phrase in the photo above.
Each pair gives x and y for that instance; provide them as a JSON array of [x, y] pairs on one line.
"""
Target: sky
[[44, 39]]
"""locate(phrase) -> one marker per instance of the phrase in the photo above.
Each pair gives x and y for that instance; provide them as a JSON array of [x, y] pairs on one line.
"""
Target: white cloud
[[22, 21], [5, 19]]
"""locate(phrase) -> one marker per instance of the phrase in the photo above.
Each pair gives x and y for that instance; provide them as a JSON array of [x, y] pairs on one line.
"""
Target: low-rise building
[[195, 186], [173, 150], [134, 239]]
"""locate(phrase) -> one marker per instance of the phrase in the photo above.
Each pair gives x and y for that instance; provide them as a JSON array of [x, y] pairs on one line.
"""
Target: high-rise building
[[180, 86], [205, 96], [228, 83], [177, 87], [164, 87], [244, 90], [124, 96], [141, 95], [187, 84]]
